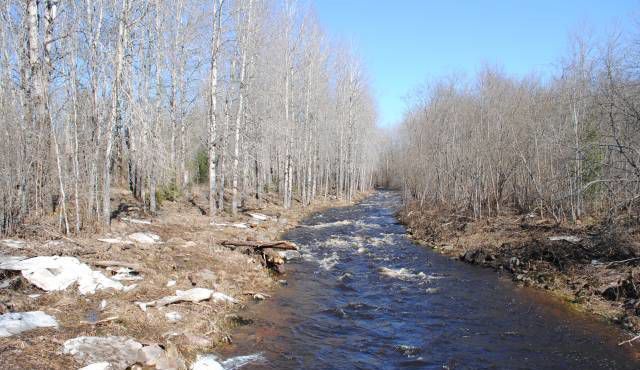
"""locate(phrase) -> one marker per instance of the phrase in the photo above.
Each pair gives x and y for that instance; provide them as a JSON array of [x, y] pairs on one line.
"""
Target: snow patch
[[173, 316], [52, 273], [145, 238], [15, 244], [114, 241], [17, 322], [136, 221], [258, 216], [124, 274]]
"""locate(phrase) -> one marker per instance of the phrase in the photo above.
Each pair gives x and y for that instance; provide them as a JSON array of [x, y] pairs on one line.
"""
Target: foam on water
[[330, 262]]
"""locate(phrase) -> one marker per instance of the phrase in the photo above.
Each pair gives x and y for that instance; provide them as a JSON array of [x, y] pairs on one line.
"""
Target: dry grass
[[190, 255]]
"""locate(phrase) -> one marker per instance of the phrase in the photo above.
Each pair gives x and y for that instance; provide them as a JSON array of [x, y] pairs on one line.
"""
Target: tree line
[[565, 146], [247, 96]]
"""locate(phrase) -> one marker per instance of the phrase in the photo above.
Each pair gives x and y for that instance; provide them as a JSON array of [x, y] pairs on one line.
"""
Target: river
[[364, 296]]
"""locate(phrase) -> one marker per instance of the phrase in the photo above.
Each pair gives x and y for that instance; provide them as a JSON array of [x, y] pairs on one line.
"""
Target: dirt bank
[[178, 249], [593, 269]]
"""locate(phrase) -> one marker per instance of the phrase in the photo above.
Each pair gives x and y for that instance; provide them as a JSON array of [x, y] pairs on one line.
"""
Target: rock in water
[[17, 322], [290, 255]]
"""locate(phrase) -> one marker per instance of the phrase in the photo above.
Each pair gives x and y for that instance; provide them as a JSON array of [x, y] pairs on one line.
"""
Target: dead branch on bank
[[260, 245]]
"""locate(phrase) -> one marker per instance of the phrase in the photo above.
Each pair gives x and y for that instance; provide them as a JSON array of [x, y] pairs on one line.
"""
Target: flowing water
[[366, 297]]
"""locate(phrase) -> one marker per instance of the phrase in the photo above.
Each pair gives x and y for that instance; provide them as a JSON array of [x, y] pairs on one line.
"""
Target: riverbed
[[364, 296]]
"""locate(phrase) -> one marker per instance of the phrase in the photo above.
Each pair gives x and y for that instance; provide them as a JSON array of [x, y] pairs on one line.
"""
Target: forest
[[251, 97], [565, 146], [208, 184], [243, 97]]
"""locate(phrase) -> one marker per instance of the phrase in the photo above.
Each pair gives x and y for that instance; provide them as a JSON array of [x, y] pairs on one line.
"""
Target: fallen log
[[94, 323], [279, 244]]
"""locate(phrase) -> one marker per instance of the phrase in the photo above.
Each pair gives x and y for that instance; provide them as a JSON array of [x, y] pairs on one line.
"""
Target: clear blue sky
[[405, 42]]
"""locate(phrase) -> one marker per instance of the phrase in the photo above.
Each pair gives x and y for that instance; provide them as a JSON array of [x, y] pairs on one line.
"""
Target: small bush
[[168, 192], [202, 166]]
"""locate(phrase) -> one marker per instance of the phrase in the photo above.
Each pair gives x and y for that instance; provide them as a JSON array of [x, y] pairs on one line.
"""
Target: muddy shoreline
[[591, 271]]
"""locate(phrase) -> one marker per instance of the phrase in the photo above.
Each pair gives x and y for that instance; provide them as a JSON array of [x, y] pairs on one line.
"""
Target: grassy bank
[[187, 255]]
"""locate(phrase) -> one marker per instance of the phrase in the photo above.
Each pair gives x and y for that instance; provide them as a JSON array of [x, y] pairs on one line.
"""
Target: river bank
[[595, 271], [141, 259]]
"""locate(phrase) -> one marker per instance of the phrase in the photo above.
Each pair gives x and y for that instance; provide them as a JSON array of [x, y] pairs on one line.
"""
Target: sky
[[406, 42]]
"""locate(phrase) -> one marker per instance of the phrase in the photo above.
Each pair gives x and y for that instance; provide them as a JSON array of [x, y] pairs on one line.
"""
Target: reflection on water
[[365, 297]]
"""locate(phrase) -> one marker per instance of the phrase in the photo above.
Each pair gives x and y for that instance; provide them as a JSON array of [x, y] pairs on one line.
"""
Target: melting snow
[[145, 238], [17, 322], [58, 273]]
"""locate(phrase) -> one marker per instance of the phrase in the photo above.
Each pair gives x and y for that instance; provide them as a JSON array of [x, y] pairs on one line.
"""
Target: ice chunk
[[17, 322], [15, 244]]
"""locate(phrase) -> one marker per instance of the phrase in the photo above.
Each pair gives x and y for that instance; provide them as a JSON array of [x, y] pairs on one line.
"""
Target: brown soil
[[190, 254], [597, 271]]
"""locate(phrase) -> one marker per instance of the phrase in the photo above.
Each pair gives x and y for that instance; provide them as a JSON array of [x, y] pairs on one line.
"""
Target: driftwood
[[194, 295], [279, 244], [108, 319], [622, 261], [630, 340], [256, 293], [133, 266]]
